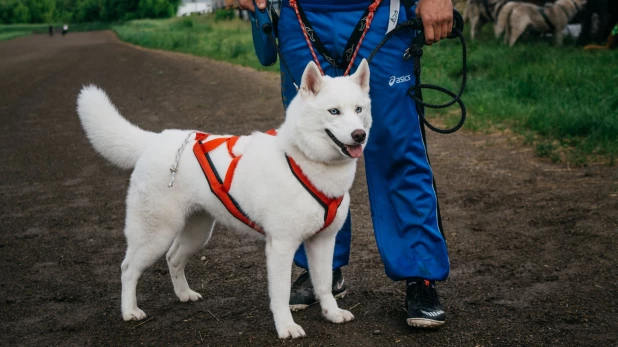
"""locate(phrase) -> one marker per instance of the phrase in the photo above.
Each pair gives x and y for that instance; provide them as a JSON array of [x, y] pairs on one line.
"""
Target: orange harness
[[221, 188]]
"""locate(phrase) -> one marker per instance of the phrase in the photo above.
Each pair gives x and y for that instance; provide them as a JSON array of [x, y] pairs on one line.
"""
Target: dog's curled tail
[[115, 138]]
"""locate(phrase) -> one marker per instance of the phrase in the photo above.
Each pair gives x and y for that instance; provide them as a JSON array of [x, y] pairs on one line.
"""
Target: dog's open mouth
[[352, 151]]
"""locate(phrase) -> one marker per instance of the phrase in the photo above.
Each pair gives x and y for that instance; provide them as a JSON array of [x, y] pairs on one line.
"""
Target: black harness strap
[[324, 205], [500, 6], [336, 61], [546, 19], [488, 9]]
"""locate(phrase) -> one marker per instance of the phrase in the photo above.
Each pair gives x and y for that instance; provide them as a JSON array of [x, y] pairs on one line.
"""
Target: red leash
[[372, 8]]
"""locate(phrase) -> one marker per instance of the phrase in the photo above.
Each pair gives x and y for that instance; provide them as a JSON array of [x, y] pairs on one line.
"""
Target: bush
[[224, 14], [48, 11], [20, 13]]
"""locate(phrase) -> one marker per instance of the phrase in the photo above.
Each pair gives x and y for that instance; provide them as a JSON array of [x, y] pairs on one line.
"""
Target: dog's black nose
[[359, 135]]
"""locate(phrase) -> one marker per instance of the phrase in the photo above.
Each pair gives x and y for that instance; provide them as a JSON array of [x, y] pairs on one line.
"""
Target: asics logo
[[394, 79]]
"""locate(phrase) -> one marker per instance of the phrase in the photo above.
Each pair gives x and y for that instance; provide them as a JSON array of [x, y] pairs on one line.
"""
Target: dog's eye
[[359, 109], [334, 111]]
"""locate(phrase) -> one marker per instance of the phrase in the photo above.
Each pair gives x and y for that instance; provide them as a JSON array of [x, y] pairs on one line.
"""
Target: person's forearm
[[248, 4]]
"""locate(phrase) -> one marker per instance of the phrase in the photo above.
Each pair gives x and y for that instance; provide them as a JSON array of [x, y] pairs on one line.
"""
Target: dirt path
[[533, 246]]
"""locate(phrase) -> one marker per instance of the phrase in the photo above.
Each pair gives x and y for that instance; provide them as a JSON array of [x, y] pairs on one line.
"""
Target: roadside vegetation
[[208, 36], [83, 11], [8, 32], [25, 17], [561, 101]]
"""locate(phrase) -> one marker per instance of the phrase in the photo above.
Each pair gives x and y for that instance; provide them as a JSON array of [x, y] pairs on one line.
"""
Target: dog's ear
[[361, 76], [311, 82]]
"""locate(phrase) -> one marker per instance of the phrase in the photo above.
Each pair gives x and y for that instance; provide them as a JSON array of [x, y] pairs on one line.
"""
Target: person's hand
[[437, 16], [248, 4]]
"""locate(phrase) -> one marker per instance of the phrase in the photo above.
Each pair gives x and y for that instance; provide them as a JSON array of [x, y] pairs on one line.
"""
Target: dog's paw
[[291, 331], [136, 314], [189, 295], [338, 315]]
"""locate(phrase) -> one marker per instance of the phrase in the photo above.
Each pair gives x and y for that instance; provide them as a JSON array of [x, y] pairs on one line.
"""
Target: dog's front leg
[[558, 37], [320, 249], [279, 256]]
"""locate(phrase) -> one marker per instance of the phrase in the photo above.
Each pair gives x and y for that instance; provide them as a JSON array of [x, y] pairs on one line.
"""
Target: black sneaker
[[302, 295], [424, 309]]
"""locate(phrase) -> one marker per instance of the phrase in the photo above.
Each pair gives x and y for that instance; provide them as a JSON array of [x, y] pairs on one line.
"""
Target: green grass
[[13, 34], [11, 31], [562, 100], [203, 36]]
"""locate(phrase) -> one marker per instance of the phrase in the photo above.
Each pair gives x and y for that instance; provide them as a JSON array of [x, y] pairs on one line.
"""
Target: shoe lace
[[425, 293]]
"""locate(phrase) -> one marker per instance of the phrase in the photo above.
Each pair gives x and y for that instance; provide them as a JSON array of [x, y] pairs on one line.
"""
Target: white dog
[[325, 131]]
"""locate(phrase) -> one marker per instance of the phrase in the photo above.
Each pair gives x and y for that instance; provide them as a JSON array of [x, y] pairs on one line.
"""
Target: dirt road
[[533, 245]]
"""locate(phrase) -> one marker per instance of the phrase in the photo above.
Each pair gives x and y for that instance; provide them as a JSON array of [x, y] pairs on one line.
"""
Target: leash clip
[[415, 50], [406, 54]]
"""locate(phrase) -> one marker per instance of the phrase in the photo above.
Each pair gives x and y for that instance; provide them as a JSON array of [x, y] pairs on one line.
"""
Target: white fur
[[180, 219]]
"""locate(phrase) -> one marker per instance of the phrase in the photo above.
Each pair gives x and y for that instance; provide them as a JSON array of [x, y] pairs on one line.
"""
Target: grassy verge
[[8, 32], [562, 100], [203, 36], [13, 34]]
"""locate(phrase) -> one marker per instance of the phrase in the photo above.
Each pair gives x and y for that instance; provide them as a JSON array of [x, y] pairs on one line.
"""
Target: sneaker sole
[[300, 307], [424, 323]]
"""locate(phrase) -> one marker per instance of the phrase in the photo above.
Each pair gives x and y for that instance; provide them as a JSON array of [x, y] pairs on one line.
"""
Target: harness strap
[[230, 174], [212, 144], [354, 42], [330, 204], [221, 188], [546, 19], [231, 142], [218, 187], [499, 7], [487, 9]]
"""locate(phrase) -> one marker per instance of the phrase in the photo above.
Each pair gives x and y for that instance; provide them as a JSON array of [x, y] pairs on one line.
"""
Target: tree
[[41, 11], [46, 11], [157, 8], [20, 14], [89, 11]]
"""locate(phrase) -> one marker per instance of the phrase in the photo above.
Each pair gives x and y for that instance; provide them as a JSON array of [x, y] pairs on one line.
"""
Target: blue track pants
[[402, 197]]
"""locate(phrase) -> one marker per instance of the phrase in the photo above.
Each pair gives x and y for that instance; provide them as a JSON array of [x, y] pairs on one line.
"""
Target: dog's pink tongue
[[355, 151]]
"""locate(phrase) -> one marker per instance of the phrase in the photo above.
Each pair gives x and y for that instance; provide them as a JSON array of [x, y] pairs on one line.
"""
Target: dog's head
[[332, 116]]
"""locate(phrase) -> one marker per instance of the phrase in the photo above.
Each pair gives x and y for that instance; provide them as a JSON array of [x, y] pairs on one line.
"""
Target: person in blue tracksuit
[[404, 206]]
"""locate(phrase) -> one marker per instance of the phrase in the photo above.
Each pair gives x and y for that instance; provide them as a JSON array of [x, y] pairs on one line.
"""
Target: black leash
[[264, 30], [415, 52], [273, 41]]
